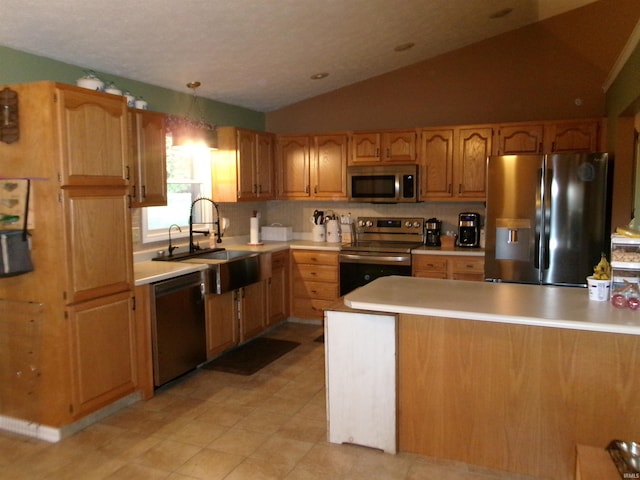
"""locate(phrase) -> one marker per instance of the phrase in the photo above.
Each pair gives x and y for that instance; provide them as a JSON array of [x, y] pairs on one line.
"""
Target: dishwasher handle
[[167, 287]]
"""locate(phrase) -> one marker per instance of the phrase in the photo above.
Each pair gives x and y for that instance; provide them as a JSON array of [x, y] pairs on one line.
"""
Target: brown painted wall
[[534, 73]]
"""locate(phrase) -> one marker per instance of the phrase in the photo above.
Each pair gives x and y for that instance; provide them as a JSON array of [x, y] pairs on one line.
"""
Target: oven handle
[[375, 259]]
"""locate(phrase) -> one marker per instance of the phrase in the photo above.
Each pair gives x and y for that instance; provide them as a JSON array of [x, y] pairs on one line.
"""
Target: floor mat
[[252, 356]]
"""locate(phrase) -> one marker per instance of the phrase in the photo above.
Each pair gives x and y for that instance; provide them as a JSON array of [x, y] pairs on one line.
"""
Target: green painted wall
[[21, 67]]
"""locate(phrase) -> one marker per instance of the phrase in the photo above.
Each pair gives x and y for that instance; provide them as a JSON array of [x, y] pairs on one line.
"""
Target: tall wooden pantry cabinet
[[73, 146]]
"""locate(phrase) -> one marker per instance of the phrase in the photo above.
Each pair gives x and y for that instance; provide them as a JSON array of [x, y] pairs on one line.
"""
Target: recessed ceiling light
[[404, 46], [319, 76], [501, 13]]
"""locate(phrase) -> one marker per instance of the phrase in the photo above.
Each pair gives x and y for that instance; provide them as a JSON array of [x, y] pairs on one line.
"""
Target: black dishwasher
[[178, 326]]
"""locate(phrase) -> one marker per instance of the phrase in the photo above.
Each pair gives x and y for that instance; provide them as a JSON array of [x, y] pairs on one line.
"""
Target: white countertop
[[151, 272], [535, 305]]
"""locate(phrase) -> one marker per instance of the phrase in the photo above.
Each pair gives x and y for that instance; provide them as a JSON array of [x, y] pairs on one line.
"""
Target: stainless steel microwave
[[383, 183]]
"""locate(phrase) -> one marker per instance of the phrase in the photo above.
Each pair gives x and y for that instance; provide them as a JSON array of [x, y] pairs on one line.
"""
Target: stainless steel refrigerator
[[548, 217]]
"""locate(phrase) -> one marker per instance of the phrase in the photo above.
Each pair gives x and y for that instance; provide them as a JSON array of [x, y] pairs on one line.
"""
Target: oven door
[[359, 269]]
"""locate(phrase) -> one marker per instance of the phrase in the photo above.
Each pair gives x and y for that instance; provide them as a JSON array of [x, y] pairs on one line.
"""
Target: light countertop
[[147, 271], [461, 251], [535, 305]]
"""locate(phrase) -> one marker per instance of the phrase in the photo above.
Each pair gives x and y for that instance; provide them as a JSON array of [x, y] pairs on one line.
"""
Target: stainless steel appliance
[[381, 246], [178, 327], [548, 217], [383, 183], [433, 226], [469, 229]]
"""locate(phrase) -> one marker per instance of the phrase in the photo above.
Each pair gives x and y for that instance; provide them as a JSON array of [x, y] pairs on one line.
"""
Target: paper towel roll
[[254, 230]]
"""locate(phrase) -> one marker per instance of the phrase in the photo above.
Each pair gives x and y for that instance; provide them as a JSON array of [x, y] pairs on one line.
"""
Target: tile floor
[[213, 425]]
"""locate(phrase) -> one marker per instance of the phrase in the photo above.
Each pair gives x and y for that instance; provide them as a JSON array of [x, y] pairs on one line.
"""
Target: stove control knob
[[416, 224], [369, 223], [361, 223], [407, 224]]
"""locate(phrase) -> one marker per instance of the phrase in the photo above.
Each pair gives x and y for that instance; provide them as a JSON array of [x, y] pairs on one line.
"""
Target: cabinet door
[[474, 146], [93, 138], [520, 139], [278, 288], [102, 339], [572, 137], [98, 242], [149, 160], [265, 166], [253, 310], [222, 322], [365, 148], [329, 170], [247, 181], [436, 159], [293, 167], [400, 147]]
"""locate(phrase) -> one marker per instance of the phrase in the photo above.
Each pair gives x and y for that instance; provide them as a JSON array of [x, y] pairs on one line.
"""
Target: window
[[188, 177]]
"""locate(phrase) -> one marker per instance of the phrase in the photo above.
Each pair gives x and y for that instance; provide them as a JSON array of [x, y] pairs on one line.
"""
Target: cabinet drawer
[[309, 307], [467, 265], [279, 259], [315, 257], [430, 274], [307, 289], [318, 273], [429, 262]]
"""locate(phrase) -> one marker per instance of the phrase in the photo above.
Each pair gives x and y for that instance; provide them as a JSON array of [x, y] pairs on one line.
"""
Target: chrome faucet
[[173, 247], [192, 246]]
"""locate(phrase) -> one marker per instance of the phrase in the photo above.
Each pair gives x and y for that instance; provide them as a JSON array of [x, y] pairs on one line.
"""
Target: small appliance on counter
[[469, 229], [433, 226]]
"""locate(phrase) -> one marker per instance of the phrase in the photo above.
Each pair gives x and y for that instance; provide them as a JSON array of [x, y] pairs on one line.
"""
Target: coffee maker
[[433, 227], [469, 229]]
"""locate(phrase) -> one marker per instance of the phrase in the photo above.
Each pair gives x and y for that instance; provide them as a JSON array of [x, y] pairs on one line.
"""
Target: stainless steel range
[[381, 246]]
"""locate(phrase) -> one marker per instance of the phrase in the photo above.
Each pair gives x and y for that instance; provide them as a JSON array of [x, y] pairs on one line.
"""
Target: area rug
[[247, 359]]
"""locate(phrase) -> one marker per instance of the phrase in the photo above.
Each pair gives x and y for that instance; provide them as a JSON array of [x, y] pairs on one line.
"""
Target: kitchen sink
[[228, 269]]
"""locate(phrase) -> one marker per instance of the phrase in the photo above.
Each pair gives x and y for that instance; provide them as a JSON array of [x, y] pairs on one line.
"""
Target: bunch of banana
[[628, 232], [602, 271]]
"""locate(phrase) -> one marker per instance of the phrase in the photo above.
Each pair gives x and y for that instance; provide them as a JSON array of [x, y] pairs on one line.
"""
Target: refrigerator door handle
[[548, 212], [538, 223]]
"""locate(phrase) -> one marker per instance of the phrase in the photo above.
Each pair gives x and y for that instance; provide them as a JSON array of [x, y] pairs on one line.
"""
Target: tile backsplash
[[297, 214]]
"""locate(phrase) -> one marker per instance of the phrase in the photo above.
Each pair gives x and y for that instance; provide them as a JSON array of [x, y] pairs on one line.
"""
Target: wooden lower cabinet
[[253, 311], [221, 313], [278, 288], [452, 267], [235, 317], [315, 282], [101, 330]]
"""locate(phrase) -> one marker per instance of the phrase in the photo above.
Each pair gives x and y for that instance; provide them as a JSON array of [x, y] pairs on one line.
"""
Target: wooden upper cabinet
[[98, 242], [265, 166], [474, 147], [329, 169], [293, 166], [365, 148], [548, 137], [148, 142], [243, 166], [436, 162], [572, 136], [372, 148], [520, 139], [93, 137]]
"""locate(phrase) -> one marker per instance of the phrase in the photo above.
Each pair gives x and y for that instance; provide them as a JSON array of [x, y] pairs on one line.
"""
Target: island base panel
[[514, 397]]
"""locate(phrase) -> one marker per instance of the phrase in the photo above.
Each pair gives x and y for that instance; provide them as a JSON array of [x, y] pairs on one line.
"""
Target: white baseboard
[[55, 434]]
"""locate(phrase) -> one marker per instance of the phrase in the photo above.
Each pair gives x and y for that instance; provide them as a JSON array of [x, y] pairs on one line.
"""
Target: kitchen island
[[506, 376]]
